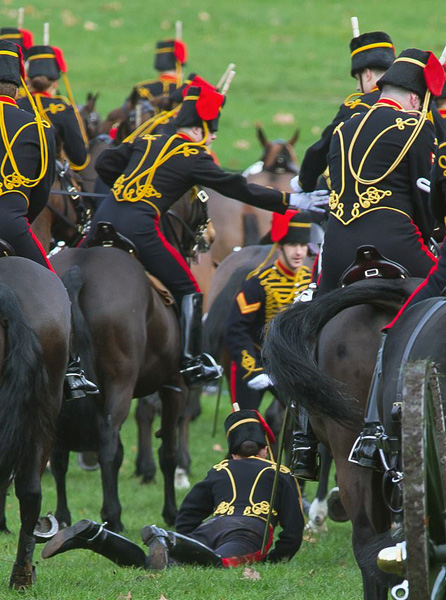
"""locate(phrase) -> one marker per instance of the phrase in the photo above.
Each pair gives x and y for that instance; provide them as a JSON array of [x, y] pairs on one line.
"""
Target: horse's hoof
[[336, 510], [181, 479], [313, 527], [22, 577], [318, 515]]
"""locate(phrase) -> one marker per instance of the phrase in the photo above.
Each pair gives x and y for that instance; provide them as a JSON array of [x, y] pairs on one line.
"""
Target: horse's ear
[[261, 136], [294, 138]]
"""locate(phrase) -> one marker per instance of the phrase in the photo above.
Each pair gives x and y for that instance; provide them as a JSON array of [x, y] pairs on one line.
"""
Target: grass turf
[[323, 568]]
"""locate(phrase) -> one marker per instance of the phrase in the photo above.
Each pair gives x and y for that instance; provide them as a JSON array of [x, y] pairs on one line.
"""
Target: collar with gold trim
[[389, 102], [8, 100]]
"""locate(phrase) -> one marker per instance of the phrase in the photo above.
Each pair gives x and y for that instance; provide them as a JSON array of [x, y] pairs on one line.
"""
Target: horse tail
[[74, 282], [25, 408], [290, 343]]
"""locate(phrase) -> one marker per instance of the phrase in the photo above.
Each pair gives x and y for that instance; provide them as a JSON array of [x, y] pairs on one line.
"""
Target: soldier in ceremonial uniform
[[375, 161], [46, 64], [235, 494], [371, 55], [149, 174], [28, 152], [262, 296], [170, 56]]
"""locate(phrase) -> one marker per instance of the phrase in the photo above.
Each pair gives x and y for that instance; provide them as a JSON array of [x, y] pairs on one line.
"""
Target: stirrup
[[203, 369], [365, 450]]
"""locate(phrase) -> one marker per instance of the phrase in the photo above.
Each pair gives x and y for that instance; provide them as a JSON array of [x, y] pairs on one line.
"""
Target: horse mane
[[289, 347]]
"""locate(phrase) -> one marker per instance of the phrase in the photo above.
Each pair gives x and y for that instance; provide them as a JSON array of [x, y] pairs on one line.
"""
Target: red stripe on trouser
[[411, 297], [176, 255], [421, 286], [252, 557], [42, 251], [233, 381]]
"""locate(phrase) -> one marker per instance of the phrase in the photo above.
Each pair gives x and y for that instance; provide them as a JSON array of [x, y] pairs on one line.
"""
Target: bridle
[[70, 193], [283, 161], [192, 240]]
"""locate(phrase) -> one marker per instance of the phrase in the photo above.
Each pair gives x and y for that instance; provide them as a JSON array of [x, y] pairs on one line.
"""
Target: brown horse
[[129, 341], [34, 341], [341, 330]]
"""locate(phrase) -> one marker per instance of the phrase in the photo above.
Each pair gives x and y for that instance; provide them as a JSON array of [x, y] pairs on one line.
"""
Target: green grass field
[[292, 62], [323, 568], [292, 56]]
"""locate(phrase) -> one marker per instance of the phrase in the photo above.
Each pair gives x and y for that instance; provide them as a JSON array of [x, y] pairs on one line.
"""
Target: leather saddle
[[107, 237], [368, 264]]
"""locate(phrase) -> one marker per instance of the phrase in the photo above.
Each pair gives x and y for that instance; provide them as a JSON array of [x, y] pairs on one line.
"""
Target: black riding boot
[[365, 451], [92, 536], [76, 385], [164, 545], [304, 462], [196, 368]]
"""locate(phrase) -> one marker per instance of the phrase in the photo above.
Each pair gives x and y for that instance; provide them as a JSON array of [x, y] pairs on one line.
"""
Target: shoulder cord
[[263, 263], [410, 121], [149, 125], [16, 179], [162, 157]]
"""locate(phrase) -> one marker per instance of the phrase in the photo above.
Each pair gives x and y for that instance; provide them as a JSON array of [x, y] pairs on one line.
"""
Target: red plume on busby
[[434, 75], [200, 104], [180, 51], [292, 227], [60, 59], [27, 38]]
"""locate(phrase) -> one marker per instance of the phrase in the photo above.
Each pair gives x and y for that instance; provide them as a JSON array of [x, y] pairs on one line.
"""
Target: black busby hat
[[11, 65], [416, 71], [200, 104], [247, 425], [47, 61], [291, 227], [373, 50], [169, 53], [21, 37]]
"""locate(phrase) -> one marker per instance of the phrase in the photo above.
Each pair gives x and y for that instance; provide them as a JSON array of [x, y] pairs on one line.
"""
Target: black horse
[[34, 341], [129, 341], [337, 337]]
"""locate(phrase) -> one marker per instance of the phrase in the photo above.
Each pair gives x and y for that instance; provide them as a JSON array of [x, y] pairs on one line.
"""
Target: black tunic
[[21, 202], [148, 175], [59, 112], [315, 159], [242, 488], [389, 212]]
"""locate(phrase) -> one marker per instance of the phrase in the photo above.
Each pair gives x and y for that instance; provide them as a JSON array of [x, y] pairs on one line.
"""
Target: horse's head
[[187, 225], [278, 155], [91, 118]]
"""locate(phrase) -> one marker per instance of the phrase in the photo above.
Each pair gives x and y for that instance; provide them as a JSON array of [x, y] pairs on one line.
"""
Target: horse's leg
[[173, 399], [318, 509], [362, 497], [3, 495], [59, 468], [192, 411], [145, 414], [110, 454], [29, 494]]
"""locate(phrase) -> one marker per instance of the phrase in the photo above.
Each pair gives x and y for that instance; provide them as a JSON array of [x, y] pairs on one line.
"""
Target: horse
[[129, 342], [238, 224], [336, 336], [34, 342], [91, 118]]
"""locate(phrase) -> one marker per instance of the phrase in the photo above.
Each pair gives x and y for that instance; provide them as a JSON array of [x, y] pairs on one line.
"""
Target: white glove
[[295, 185], [260, 382], [316, 201]]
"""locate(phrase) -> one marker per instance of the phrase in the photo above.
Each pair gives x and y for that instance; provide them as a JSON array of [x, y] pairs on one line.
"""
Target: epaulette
[[221, 465]]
